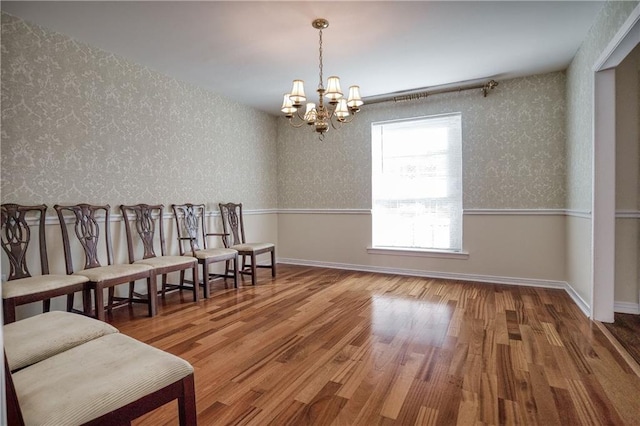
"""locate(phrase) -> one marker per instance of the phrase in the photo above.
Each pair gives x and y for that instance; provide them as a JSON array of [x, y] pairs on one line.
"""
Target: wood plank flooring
[[329, 347], [626, 329]]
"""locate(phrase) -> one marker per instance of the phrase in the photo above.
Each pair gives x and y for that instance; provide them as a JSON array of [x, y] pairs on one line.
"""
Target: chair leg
[[164, 284], [181, 279], [9, 306], [70, 300], [132, 289], [244, 262], [235, 272], [46, 305], [196, 285], [99, 302], [112, 292], [254, 269], [273, 263], [152, 294], [227, 264], [86, 300], [205, 279]]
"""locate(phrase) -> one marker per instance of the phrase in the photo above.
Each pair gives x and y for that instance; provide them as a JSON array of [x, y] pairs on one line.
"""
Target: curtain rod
[[424, 92]]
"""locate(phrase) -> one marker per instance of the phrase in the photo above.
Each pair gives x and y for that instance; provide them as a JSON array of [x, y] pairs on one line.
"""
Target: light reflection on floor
[[419, 322]]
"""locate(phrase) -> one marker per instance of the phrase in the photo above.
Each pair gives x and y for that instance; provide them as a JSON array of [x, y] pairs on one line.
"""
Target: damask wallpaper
[[580, 102], [83, 125], [512, 141]]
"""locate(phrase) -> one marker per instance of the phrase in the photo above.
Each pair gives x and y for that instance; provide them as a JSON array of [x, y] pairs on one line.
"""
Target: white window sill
[[397, 251]]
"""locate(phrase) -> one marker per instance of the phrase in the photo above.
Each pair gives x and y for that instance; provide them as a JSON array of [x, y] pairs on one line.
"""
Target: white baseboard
[[626, 308], [584, 306]]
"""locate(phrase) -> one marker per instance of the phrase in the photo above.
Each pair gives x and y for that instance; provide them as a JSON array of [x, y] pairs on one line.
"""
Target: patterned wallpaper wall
[[513, 149], [83, 125], [580, 102]]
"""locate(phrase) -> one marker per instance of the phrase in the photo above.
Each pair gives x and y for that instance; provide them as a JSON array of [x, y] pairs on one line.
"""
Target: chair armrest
[[191, 240]]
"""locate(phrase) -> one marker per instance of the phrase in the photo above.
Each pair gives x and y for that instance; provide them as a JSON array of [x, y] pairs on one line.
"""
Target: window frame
[[457, 219]]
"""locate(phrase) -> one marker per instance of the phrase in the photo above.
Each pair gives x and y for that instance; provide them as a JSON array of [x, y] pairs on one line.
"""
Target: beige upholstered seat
[[111, 272], [215, 254], [111, 380], [192, 240], [166, 261], [39, 284], [253, 246], [36, 338], [22, 287], [234, 238], [146, 219]]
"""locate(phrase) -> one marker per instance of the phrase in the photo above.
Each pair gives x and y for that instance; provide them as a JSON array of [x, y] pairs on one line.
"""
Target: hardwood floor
[[626, 329], [322, 346]]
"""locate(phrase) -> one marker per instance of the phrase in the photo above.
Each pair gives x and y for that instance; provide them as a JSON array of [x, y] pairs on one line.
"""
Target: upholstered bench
[[106, 380], [39, 337]]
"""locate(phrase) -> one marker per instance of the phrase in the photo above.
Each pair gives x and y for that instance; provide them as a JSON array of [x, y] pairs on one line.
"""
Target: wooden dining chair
[[146, 218], [192, 239], [22, 287], [234, 237], [86, 219]]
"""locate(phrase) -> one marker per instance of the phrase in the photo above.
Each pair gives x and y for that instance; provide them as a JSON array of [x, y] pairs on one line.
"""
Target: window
[[417, 183]]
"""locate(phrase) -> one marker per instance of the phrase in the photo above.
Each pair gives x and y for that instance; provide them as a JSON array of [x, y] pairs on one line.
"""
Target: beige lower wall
[[578, 256], [523, 247], [259, 226], [627, 252]]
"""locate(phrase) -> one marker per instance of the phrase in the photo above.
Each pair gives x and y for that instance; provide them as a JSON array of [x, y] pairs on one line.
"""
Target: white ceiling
[[251, 51]]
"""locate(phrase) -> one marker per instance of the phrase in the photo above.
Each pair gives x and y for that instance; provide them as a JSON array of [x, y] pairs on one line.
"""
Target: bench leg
[[9, 306], [187, 403]]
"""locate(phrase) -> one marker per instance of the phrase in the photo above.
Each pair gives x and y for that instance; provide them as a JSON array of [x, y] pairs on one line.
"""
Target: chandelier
[[336, 112]]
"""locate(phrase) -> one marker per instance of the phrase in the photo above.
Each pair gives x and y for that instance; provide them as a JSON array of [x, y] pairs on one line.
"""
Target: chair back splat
[[87, 231], [145, 227], [191, 226], [16, 235]]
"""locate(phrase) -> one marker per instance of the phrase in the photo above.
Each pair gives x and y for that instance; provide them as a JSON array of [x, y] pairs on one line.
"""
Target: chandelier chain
[[320, 86]]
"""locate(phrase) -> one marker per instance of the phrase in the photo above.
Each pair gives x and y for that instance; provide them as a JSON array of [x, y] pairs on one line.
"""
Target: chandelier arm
[[348, 120], [333, 123], [297, 126], [337, 123], [301, 121], [301, 117]]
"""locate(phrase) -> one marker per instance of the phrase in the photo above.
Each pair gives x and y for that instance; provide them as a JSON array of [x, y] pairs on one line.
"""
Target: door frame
[[604, 173]]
